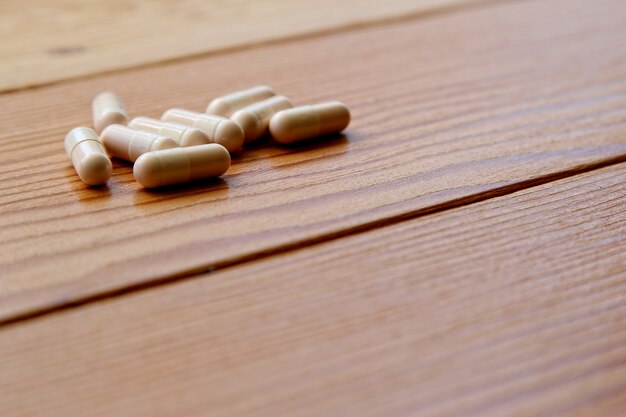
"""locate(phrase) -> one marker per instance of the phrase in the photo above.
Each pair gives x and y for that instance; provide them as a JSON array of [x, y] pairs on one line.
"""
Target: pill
[[183, 135], [255, 118], [129, 144], [88, 156], [226, 105], [179, 165], [108, 109], [217, 128], [306, 122]]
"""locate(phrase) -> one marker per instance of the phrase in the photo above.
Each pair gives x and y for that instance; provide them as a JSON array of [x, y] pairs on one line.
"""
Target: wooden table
[[459, 250]]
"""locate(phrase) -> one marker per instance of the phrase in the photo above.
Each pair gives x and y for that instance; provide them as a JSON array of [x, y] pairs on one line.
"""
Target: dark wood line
[[215, 186], [506, 189]]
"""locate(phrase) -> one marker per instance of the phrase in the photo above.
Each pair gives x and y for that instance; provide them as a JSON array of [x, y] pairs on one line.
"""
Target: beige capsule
[[306, 122], [90, 160], [108, 109], [183, 135], [129, 144], [180, 165], [218, 129], [255, 118], [227, 105]]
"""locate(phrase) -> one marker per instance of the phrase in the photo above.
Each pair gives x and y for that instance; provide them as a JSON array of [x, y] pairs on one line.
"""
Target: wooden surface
[[434, 127], [45, 41], [461, 250], [503, 307]]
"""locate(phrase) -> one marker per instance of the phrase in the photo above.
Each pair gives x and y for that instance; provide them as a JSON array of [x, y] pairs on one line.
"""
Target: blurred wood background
[[46, 41], [459, 250]]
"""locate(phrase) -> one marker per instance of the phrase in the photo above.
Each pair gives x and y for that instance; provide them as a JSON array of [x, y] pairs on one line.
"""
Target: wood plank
[[446, 110], [512, 306], [45, 41]]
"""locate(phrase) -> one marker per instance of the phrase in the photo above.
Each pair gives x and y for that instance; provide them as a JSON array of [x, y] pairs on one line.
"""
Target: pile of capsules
[[186, 145]]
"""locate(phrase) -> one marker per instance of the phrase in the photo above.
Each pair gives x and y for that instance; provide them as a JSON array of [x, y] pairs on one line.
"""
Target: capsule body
[[108, 109], [180, 165], [183, 135], [255, 118], [306, 122], [218, 129], [129, 144], [90, 160], [226, 105]]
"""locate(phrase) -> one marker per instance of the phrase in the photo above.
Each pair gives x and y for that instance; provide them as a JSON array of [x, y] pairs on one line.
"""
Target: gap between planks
[[506, 189], [498, 308], [327, 32]]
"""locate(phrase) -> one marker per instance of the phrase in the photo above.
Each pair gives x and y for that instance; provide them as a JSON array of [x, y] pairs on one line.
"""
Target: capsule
[[218, 129], [108, 109], [255, 118], [90, 160], [183, 135], [226, 105], [129, 144], [179, 165], [306, 122]]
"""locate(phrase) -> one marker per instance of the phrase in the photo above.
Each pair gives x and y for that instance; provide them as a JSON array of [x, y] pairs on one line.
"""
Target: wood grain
[[512, 306], [447, 110], [45, 41]]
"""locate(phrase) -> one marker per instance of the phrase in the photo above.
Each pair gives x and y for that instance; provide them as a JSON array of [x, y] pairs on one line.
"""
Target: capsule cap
[[249, 123], [109, 118], [230, 135], [226, 105], [299, 123], [108, 109], [334, 116], [219, 107], [95, 169], [193, 137], [147, 170]]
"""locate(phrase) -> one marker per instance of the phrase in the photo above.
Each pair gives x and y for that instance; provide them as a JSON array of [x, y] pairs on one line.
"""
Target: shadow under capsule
[[334, 140], [266, 147], [86, 193], [217, 188], [214, 188]]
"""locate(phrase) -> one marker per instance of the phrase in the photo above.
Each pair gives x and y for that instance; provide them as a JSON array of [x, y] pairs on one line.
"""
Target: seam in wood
[[313, 241], [356, 26]]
